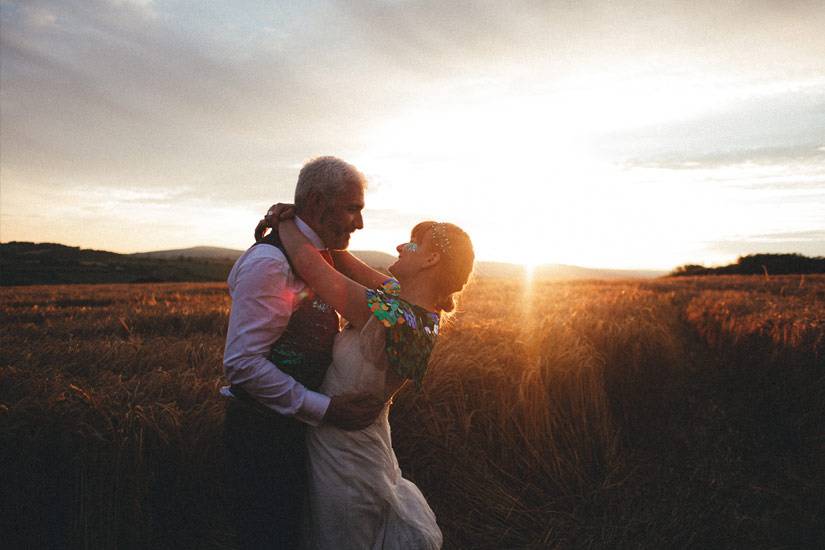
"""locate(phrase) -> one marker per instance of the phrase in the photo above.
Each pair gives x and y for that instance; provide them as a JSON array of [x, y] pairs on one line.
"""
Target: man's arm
[[262, 304]]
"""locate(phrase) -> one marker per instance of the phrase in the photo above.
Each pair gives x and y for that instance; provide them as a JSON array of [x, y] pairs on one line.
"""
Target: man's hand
[[276, 213], [353, 411]]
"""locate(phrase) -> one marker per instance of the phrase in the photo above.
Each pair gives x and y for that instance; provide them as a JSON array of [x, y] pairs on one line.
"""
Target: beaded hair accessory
[[440, 237]]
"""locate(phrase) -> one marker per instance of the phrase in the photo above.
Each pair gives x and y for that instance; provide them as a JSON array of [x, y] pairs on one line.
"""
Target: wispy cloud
[[811, 243], [804, 153]]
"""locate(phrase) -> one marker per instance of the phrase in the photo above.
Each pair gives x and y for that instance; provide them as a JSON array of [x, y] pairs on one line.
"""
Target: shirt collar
[[310, 234]]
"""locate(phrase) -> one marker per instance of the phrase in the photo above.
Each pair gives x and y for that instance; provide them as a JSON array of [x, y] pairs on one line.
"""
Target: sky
[[602, 134]]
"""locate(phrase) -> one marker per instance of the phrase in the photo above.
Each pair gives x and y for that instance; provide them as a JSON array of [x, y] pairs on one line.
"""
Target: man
[[278, 346]]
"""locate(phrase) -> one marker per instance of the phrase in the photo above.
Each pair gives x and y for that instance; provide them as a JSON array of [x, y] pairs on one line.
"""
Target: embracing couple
[[309, 455]]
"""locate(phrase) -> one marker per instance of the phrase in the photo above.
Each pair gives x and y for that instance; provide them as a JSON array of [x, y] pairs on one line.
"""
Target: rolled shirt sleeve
[[263, 294]]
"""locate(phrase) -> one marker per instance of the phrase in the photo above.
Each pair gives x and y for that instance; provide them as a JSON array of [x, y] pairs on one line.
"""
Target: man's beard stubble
[[338, 236]]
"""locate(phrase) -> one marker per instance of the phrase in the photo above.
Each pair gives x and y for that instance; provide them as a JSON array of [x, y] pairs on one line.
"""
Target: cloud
[[89, 86], [103, 87], [751, 125], [809, 243], [806, 236], [108, 93], [792, 174], [119, 93], [722, 158]]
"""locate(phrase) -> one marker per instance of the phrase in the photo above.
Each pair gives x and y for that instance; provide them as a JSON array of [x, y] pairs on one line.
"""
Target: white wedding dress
[[357, 497]]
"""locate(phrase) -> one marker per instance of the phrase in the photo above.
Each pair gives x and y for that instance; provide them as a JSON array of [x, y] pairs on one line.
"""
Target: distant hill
[[26, 263], [382, 260], [371, 257], [759, 264], [202, 252], [561, 272], [375, 259]]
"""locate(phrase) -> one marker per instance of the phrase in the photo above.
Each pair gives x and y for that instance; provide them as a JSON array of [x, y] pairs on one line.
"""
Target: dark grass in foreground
[[670, 413]]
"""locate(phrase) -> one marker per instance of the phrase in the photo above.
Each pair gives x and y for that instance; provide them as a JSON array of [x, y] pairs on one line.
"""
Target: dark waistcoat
[[304, 350]]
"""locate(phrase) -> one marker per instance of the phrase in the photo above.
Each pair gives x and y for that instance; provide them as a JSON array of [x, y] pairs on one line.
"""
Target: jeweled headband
[[440, 237]]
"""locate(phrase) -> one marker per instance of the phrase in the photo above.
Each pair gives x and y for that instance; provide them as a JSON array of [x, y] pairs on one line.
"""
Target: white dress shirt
[[264, 295]]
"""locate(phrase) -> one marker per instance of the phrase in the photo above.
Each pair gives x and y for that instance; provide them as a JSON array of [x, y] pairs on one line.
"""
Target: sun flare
[[525, 174], [511, 172]]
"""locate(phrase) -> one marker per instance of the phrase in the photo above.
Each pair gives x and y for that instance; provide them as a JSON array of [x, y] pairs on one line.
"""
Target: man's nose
[[359, 221], [399, 248]]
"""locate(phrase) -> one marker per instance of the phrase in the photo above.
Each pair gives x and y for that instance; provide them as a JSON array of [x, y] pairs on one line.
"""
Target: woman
[[358, 498]]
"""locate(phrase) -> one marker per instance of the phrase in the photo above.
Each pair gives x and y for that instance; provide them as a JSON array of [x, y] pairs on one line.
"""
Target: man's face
[[341, 217]]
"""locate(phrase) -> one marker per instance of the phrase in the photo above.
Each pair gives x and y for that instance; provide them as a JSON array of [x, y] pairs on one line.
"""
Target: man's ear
[[315, 201], [314, 207]]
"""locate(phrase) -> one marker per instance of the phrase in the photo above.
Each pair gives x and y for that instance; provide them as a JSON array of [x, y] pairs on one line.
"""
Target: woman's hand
[[276, 213]]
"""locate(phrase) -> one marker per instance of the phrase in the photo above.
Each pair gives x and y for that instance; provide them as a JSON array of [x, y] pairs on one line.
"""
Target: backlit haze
[[621, 134]]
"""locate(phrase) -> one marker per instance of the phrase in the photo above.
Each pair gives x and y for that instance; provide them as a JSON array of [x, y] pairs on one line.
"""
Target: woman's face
[[411, 256]]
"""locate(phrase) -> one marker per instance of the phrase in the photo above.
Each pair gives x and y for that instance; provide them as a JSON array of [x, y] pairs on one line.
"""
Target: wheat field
[[670, 413]]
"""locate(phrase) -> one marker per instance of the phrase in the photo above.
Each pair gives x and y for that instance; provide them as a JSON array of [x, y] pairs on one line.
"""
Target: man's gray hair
[[328, 176]]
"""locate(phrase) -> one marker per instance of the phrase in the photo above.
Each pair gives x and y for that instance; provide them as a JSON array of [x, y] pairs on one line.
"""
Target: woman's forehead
[[420, 232]]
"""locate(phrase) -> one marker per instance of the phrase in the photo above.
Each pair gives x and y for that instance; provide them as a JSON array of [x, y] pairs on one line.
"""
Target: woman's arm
[[336, 289], [345, 262], [357, 270]]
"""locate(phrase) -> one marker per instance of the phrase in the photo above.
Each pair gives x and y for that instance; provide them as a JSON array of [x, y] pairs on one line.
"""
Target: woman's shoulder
[[386, 304], [390, 287], [411, 330]]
